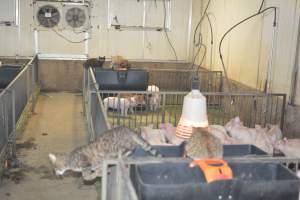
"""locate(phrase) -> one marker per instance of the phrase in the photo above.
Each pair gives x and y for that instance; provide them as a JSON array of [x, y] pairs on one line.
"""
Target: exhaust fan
[[77, 17], [48, 16]]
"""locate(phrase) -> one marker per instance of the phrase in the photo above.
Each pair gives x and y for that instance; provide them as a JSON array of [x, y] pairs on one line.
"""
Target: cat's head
[[60, 163]]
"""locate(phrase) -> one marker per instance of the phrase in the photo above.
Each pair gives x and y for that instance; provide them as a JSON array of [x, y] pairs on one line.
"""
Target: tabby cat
[[203, 145], [88, 159]]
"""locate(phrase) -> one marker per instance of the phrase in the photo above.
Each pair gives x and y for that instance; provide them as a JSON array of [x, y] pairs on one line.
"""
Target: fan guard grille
[[75, 17], [48, 16]]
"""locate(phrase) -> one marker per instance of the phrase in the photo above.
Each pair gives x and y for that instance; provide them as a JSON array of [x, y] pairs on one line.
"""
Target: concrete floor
[[57, 126]]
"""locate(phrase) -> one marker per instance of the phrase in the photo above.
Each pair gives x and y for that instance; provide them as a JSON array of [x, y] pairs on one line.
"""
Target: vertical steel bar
[[271, 109], [276, 111], [5, 108], [28, 85], [33, 86], [104, 181], [283, 111], [13, 101], [84, 91]]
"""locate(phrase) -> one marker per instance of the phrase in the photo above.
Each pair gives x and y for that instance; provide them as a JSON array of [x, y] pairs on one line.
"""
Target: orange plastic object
[[214, 169]]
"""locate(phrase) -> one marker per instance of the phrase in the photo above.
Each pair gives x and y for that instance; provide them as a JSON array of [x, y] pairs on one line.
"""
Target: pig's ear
[[237, 119]]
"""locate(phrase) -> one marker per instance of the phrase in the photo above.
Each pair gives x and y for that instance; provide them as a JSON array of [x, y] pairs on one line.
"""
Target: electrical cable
[[166, 33], [205, 47], [211, 30], [202, 45], [199, 44], [233, 27], [261, 5], [197, 54], [211, 40], [199, 23], [204, 54], [68, 40]]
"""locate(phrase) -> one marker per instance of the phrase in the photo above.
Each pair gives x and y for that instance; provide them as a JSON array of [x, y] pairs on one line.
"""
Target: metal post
[[104, 181], [10, 136], [283, 112], [13, 138], [271, 62], [90, 118], [84, 91], [119, 182], [33, 85], [28, 85], [293, 90], [164, 108], [13, 100], [5, 118]]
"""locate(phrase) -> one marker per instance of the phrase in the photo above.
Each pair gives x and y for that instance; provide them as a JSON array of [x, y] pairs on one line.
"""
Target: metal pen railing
[[13, 100], [180, 80], [93, 107], [252, 108]]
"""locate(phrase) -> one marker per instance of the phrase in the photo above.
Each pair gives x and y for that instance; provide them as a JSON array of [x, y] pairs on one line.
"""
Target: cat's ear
[[52, 157]]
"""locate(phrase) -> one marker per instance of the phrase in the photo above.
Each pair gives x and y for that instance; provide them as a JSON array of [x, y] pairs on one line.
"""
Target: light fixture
[[194, 112]]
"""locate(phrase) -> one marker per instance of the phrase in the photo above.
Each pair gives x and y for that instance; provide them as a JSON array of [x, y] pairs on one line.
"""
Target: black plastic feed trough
[[229, 151], [128, 80], [8, 73], [177, 181]]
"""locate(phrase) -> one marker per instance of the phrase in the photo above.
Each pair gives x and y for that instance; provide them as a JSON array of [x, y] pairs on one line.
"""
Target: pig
[[262, 140], [289, 147], [125, 104], [274, 133], [154, 97], [153, 136], [219, 132], [170, 134], [237, 130], [257, 136]]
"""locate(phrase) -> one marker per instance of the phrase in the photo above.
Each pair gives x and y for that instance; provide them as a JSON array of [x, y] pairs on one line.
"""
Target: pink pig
[[257, 136], [220, 132], [153, 136], [289, 147], [170, 133], [237, 130]]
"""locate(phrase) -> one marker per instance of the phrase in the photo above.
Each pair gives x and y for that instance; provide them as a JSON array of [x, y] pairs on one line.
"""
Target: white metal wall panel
[[247, 49], [8, 10]]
